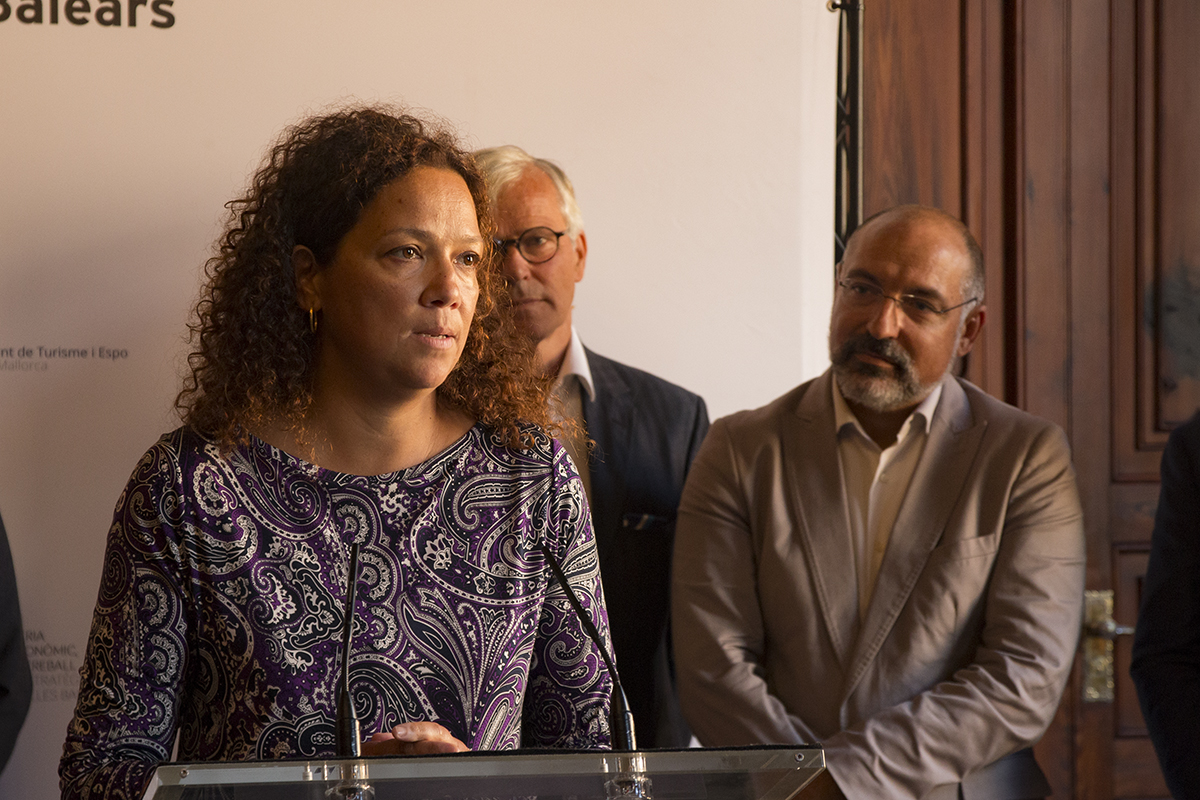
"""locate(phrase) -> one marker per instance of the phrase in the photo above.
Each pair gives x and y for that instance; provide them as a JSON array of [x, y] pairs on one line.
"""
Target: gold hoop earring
[[312, 320]]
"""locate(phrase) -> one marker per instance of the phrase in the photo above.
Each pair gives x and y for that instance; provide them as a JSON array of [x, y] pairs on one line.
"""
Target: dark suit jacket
[[16, 685], [1166, 647], [646, 432]]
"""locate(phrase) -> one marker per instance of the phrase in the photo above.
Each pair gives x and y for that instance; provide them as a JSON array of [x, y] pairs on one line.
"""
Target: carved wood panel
[[1063, 132], [1174, 222], [1137, 774], [1156, 197], [1129, 571]]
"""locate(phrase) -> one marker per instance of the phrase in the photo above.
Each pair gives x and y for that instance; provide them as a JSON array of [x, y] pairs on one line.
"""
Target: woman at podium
[[355, 378]]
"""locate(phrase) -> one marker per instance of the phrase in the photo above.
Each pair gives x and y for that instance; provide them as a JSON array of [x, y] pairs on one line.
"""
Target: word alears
[[108, 12]]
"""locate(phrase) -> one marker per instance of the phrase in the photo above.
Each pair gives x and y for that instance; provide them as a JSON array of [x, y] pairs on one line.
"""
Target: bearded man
[[885, 560]]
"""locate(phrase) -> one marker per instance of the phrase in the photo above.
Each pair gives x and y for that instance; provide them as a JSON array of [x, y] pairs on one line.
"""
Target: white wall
[[699, 135]]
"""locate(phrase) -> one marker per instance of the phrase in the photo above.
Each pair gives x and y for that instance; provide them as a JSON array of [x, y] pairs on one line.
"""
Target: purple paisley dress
[[221, 607]]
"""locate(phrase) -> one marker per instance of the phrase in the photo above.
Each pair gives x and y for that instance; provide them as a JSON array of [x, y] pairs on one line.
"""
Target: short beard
[[877, 388]]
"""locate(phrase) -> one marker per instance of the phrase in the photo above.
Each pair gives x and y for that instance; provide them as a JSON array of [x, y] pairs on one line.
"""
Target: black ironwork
[[848, 192]]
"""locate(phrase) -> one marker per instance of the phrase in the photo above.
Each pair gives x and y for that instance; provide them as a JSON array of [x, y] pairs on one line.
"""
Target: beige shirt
[[574, 378], [876, 480]]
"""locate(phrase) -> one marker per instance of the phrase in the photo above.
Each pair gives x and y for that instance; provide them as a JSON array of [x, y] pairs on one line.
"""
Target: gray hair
[[504, 165]]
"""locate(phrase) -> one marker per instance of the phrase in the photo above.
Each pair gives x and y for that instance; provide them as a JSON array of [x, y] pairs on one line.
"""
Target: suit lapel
[[608, 423], [817, 496], [935, 489]]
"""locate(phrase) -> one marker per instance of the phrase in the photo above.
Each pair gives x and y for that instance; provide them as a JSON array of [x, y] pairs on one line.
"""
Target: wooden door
[[1155, 342], [1107, 244], [1064, 133]]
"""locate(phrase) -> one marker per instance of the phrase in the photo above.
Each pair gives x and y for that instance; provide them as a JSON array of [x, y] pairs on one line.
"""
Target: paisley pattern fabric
[[221, 607]]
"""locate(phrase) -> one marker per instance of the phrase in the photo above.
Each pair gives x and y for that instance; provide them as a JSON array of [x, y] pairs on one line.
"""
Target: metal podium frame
[[744, 773]]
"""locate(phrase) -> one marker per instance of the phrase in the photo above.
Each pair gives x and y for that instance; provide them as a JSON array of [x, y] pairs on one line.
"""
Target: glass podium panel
[[746, 773]]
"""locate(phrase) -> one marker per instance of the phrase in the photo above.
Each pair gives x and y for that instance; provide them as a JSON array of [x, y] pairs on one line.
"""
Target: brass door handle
[[1099, 631]]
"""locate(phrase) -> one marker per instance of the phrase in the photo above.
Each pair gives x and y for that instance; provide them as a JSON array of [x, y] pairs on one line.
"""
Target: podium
[[743, 773]]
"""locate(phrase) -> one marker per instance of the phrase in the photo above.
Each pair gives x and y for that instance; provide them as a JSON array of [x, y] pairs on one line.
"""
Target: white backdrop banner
[[699, 135]]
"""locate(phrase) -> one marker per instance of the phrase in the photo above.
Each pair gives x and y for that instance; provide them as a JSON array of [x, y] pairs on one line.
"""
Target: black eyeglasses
[[536, 245], [860, 294]]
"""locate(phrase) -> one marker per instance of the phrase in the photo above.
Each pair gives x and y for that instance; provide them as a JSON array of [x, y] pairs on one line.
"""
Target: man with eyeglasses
[[645, 430], [885, 560]]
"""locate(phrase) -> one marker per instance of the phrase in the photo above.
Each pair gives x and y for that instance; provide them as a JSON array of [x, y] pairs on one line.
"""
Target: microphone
[[353, 784], [624, 735], [349, 731]]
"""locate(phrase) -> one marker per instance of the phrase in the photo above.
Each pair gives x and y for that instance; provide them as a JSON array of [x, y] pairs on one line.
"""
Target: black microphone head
[[349, 732]]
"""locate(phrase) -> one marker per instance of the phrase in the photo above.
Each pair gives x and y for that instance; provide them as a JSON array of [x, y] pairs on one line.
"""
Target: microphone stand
[[624, 734], [631, 780], [349, 731], [353, 784]]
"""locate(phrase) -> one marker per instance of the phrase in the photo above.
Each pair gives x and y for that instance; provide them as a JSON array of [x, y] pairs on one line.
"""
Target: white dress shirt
[[574, 378], [876, 481]]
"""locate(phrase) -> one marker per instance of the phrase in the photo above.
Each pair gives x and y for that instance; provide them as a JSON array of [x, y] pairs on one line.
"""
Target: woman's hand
[[413, 739]]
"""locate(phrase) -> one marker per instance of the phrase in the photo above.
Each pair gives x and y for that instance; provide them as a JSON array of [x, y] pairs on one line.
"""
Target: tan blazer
[[971, 631]]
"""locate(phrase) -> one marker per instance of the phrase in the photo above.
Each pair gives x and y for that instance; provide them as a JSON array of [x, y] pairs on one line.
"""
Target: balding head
[[908, 214]]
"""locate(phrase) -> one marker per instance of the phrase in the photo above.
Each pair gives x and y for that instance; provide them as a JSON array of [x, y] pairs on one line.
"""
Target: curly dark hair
[[254, 353]]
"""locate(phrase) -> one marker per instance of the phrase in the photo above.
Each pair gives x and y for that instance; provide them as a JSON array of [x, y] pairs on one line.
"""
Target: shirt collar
[[843, 416], [575, 362]]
